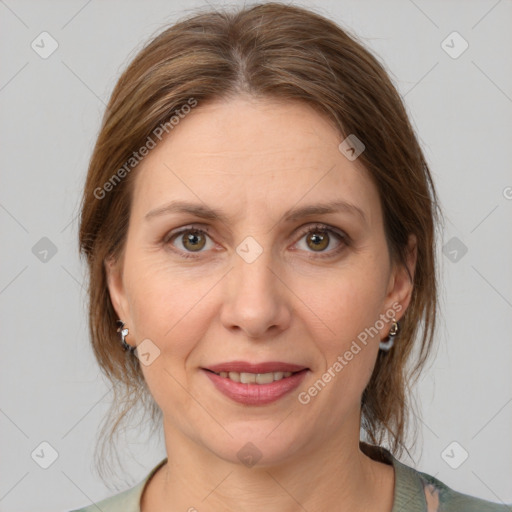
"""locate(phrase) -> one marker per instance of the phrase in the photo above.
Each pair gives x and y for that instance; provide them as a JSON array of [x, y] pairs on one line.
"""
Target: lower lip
[[256, 394]]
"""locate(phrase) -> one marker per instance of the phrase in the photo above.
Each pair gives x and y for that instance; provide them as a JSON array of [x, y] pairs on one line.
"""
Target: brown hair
[[283, 52]]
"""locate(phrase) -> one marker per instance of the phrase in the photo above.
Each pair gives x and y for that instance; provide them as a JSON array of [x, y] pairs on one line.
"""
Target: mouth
[[255, 373], [254, 378], [255, 384]]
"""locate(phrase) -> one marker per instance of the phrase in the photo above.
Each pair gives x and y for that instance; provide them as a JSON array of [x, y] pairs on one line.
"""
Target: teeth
[[255, 378], [248, 378], [234, 376]]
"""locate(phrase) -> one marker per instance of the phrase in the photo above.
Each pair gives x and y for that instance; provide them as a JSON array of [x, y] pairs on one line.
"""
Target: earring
[[124, 332], [386, 345]]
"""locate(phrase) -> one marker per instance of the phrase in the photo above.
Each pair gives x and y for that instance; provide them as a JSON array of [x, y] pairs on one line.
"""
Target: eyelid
[[191, 227], [325, 227]]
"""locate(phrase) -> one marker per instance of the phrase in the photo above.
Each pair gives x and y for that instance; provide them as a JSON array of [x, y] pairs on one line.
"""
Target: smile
[[255, 388], [254, 378]]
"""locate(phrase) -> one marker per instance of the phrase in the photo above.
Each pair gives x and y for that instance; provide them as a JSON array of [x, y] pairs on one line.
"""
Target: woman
[[259, 225]]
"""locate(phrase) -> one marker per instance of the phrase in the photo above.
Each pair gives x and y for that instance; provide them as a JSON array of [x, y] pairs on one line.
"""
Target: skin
[[255, 159]]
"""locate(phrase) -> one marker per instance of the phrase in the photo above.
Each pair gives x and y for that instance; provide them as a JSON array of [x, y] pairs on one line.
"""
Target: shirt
[[414, 491]]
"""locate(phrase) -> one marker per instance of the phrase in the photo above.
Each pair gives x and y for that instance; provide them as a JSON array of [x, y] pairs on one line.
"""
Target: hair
[[287, 53]]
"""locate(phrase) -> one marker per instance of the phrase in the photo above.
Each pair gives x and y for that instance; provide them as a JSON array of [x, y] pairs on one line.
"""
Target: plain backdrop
[[51, 388]]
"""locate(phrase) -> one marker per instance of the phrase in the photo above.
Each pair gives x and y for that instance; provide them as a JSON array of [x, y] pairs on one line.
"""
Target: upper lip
[[245, 367]]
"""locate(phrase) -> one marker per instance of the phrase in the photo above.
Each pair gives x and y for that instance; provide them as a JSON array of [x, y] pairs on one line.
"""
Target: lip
[[245, 367], [256, 394]]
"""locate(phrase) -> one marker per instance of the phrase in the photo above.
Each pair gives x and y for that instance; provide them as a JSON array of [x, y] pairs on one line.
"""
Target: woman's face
[[265, 284]]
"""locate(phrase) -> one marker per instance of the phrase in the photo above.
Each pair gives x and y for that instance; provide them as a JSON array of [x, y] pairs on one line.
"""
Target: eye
[[192, 240], [320, 236]]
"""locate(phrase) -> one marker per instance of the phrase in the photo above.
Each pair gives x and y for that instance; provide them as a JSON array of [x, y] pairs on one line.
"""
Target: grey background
[[51, 388]]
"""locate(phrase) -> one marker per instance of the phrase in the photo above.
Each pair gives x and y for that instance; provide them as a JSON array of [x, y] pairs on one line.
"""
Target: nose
[[256, 299]]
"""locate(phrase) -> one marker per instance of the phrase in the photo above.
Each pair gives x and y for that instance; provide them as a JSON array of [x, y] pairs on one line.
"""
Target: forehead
[[251, 154]]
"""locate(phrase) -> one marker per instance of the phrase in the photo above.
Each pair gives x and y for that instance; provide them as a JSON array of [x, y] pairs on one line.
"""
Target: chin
[[260, 444]]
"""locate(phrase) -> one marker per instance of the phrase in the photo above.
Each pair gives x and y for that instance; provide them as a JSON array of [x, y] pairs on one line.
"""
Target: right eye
[[192, 240]]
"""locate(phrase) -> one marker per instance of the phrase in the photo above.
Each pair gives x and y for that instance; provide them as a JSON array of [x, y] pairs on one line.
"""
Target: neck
[[333, 475]]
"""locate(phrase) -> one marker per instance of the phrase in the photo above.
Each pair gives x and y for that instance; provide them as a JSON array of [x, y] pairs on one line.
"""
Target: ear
[[114, 273], [401, 284]]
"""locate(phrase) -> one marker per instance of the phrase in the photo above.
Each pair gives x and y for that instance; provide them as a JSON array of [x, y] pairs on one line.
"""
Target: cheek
[[348, 304], [174, 313], [168, 307]]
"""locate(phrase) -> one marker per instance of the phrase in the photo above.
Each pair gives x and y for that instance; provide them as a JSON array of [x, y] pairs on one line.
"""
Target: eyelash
[[316, 228]]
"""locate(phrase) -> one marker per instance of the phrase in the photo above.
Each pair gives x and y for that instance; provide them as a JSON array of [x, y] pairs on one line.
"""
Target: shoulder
[[125, 501], [416, 491], [439, 496]]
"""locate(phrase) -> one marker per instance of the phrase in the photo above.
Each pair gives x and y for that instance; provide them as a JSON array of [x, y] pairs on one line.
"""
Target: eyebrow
[[205, 212]]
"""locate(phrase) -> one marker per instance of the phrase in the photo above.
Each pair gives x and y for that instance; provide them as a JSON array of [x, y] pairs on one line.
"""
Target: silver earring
[[386, 345], [124, 332]]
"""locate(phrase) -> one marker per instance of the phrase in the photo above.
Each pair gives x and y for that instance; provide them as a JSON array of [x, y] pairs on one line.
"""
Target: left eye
[[318, 238]]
